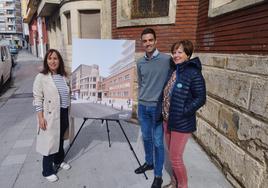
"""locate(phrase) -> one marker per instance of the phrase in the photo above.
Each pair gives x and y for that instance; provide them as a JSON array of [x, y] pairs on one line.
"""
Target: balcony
[[10, 7], [47, 7], [31, 9], [11, 23], [10, 15]]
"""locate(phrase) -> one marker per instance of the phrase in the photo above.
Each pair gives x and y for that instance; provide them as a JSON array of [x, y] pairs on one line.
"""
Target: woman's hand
[[42, 121]]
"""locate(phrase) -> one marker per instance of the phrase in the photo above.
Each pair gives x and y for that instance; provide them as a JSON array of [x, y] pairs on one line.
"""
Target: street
[[94, 163]]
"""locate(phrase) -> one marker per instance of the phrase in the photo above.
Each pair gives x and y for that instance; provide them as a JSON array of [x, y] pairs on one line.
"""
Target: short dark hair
[[61, 69], [148, 31], [187, 45]]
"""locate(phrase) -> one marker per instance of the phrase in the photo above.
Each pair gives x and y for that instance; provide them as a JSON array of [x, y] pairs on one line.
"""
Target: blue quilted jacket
[[187, 96]]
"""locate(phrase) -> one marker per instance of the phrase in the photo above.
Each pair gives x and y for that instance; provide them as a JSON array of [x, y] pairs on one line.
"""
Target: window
[[149, 9], [219, 7], [59, 23], [69, 27], [149, 12], [94, 79], [127, 77], [125, 93], [90, 24]]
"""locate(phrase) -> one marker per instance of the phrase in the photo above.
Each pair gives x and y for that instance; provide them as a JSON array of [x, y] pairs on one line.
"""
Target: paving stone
[[14, 159], [23, 143]]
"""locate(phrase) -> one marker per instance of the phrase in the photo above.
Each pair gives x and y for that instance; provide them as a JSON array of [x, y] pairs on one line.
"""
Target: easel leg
[[85, 119], [131, 148], [108, 132]]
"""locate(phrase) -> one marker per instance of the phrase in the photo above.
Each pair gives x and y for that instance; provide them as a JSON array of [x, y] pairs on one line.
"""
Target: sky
[[103, 52]]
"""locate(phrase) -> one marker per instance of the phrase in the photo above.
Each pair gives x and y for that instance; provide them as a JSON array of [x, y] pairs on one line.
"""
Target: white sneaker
[[65, 166], [52, 178]]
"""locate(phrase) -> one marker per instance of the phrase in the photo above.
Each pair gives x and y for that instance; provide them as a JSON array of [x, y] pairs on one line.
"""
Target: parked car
[[13, 50], [5, 64], [73, 97]]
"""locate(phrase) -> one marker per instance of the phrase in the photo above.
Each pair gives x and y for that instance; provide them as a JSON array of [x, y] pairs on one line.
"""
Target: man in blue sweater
[[152, 71]]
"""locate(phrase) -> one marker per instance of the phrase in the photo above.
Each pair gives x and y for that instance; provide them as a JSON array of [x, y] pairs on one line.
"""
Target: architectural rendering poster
[[103, 72]]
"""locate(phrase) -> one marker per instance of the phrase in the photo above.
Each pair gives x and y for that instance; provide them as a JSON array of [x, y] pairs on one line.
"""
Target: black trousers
[[57, 158]]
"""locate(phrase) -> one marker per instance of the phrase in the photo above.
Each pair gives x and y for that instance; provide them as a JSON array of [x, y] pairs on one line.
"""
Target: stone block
[[215, 60], [265, 181], [229, 122], [259, 97], [253, 135], [233, 87], [248, 171], [232, 180], [250, 64], [210, 111]]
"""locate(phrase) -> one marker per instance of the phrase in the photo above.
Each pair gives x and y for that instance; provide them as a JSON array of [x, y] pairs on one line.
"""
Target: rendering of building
[[85, 82], [119, 85]]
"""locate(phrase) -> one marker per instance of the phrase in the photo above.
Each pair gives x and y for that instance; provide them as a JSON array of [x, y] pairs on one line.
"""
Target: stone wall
[[233, 125]]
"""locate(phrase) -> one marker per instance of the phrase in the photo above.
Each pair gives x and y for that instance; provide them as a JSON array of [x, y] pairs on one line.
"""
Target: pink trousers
[[176, 142]]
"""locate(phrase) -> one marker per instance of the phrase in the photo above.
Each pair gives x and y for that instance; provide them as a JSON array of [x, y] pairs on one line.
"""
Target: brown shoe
[[170, 185]]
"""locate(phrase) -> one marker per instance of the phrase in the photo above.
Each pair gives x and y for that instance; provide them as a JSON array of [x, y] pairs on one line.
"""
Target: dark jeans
[[152, 134], [57, 158]]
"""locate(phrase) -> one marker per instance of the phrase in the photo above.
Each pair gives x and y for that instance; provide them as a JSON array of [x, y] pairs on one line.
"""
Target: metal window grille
[[149, 8]]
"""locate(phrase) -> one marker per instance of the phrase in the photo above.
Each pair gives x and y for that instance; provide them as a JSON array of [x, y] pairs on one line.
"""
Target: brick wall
[[184, 28], [240, 31]]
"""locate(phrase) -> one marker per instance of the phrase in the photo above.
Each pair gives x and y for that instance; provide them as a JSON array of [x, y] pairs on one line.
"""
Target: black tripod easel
[[108, 133]]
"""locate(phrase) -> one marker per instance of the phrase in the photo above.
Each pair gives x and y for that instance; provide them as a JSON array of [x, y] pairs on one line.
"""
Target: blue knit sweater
[[152, 75]]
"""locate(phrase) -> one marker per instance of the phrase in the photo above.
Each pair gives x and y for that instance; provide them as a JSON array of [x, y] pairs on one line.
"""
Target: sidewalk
[[94, 164]]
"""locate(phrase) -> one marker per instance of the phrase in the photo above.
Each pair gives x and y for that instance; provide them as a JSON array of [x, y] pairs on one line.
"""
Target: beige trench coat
[[46, 95]]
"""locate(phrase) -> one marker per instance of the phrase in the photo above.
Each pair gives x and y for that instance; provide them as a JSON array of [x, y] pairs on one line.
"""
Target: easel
[[108, 133]]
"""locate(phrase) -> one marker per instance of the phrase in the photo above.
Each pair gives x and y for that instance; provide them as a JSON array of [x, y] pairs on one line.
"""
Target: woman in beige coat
[[52, 99]]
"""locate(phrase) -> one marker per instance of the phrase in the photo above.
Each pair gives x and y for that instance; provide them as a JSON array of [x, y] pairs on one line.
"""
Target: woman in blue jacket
[[184, 94]]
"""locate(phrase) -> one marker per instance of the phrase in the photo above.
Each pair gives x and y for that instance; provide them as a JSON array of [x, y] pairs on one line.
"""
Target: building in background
[[25, 26], [64, 20], [38, 35], [11, 21]]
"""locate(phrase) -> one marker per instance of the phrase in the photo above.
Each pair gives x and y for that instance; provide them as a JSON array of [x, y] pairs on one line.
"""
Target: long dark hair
[[60, 70]]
